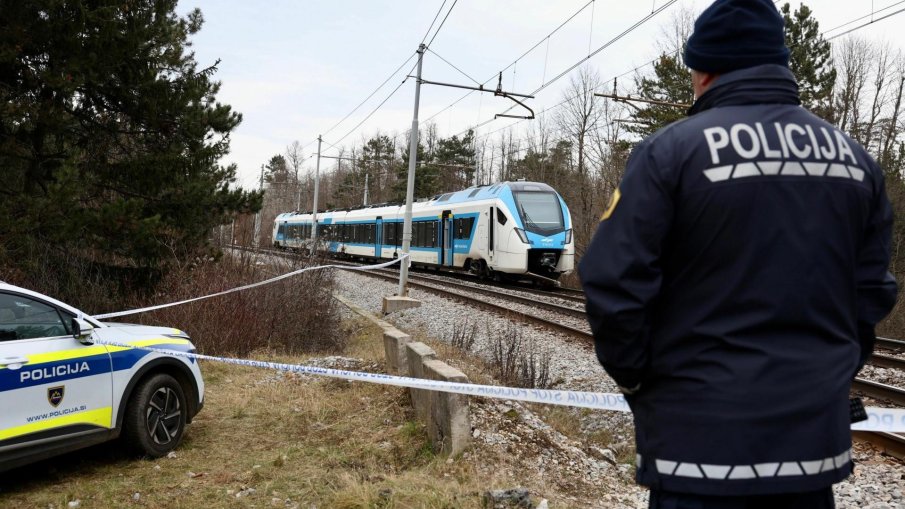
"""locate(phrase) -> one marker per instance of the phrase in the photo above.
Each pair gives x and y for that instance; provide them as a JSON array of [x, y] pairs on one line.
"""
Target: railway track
[[887, 361], [890, 443], [894, 345], [466, 292]]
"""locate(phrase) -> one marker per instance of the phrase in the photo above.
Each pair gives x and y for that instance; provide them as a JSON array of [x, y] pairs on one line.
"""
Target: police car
[[61, 391]]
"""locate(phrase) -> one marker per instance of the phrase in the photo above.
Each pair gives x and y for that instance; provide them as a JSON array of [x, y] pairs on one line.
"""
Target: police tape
[[253, 285], [890, 420]]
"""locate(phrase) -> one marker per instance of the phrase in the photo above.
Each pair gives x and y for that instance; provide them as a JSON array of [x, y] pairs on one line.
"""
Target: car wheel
[[155, 417]]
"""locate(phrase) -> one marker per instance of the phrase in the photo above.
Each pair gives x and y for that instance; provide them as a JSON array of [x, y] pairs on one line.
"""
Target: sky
[[294, 69]]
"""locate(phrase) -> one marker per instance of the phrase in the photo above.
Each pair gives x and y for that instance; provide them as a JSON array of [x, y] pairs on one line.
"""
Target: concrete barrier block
[[449, 427], [394, 341], [395, 303], [417, 354]]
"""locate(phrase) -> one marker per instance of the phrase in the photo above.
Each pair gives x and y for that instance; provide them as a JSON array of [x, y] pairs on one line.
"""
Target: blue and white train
[[510, 230]]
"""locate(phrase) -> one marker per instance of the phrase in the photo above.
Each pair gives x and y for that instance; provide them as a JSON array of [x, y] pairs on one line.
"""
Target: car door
[[51, 385]]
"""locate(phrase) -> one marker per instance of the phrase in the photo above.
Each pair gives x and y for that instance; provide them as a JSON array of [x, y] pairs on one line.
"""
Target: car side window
[[25, 318]]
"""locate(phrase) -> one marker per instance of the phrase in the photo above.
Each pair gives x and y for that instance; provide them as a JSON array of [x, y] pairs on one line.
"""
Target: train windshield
[[541, 212]]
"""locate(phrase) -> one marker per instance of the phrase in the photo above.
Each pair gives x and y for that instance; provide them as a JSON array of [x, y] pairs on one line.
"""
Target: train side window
[[501, 217], [463, 227], [422, 234], [433, 234]]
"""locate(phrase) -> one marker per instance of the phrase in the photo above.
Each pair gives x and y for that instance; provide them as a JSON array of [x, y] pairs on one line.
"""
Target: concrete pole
[[317, 180], [410, 188], [366, 189], [256, 241]]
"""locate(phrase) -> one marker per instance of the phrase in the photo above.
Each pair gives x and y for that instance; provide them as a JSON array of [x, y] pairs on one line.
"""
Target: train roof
[[473, 193]]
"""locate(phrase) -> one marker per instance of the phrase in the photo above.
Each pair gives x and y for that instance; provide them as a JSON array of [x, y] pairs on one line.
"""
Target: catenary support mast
[[317, 181], [410, 186]]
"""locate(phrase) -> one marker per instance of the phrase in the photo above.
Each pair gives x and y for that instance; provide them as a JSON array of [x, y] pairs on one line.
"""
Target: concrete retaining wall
[[450, 425], [446, 415], [394, 341], [418, 353]]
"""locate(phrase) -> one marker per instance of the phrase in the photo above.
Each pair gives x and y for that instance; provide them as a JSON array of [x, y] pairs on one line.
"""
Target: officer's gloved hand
[[629, 390]]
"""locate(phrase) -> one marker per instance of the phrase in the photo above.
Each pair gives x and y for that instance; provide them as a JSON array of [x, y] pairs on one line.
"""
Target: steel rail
[[889, 443], [896, 345], [879, 390]]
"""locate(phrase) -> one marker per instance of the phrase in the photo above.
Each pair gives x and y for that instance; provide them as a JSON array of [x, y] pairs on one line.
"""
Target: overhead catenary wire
[[609, 43], [676, 52], [432, 22], [428, 45], [635, 69], [872, 13], [463, 73], [871, 22], [387, 98], [373, 111], [514, 62], [366, 99]]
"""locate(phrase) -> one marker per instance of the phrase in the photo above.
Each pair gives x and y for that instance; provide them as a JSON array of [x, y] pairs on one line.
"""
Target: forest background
[[110, 144]]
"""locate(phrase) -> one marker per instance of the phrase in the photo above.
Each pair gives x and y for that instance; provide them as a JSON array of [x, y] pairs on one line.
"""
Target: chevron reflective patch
[[759, 470], [788, 168]]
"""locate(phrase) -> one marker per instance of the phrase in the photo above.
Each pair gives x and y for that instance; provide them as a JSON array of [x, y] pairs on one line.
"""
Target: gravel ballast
[[878, 481]]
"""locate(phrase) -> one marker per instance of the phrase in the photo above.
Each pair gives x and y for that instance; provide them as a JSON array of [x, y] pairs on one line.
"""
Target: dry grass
[[296, 441]]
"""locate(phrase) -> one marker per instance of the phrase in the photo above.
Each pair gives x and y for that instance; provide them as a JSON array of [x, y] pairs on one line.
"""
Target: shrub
[[464, 335], [295, 315], [517, 362]]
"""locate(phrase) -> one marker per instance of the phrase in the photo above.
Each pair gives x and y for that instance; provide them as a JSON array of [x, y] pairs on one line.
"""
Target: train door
[[446, 238], [378, 236], [491, 230]]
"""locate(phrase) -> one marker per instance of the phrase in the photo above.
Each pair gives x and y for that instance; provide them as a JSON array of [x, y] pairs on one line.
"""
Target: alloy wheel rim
[[163, 416]]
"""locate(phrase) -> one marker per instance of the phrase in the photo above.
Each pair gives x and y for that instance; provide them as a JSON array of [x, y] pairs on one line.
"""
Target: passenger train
[[510, 230]]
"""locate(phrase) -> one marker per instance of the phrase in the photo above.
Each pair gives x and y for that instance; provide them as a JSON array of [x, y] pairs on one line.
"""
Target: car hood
[[145, 330]]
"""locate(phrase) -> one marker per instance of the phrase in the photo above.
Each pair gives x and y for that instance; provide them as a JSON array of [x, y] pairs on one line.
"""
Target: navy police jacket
[[737, 276]]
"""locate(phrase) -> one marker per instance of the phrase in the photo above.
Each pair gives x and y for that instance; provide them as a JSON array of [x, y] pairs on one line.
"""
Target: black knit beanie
[[735, 34]]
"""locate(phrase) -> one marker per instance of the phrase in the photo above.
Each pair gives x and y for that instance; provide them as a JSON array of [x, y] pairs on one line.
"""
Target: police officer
[[736, 278]]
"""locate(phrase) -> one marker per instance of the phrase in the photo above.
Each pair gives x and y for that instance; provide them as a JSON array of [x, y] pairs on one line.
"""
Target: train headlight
[[522, 235], [569, 236]]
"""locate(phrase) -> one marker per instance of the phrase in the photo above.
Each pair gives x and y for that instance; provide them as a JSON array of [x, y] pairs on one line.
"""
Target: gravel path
[[878, 481]]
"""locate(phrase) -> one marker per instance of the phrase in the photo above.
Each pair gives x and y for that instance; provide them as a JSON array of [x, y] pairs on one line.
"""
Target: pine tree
[[811, 61], [671, 83], [455, 158], [110, 133]]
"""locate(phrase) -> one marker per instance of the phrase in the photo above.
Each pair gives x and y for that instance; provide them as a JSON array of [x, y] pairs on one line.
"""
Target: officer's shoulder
[[664, 139]]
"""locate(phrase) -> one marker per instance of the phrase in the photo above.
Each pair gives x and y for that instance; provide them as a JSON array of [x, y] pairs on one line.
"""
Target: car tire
[[155, 416]]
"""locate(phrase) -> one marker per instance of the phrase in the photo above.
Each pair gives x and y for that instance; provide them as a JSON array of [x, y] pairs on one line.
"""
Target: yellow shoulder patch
[[614, 199]]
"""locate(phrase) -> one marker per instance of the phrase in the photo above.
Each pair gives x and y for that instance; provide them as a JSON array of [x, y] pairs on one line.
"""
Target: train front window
[[541, 212]]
